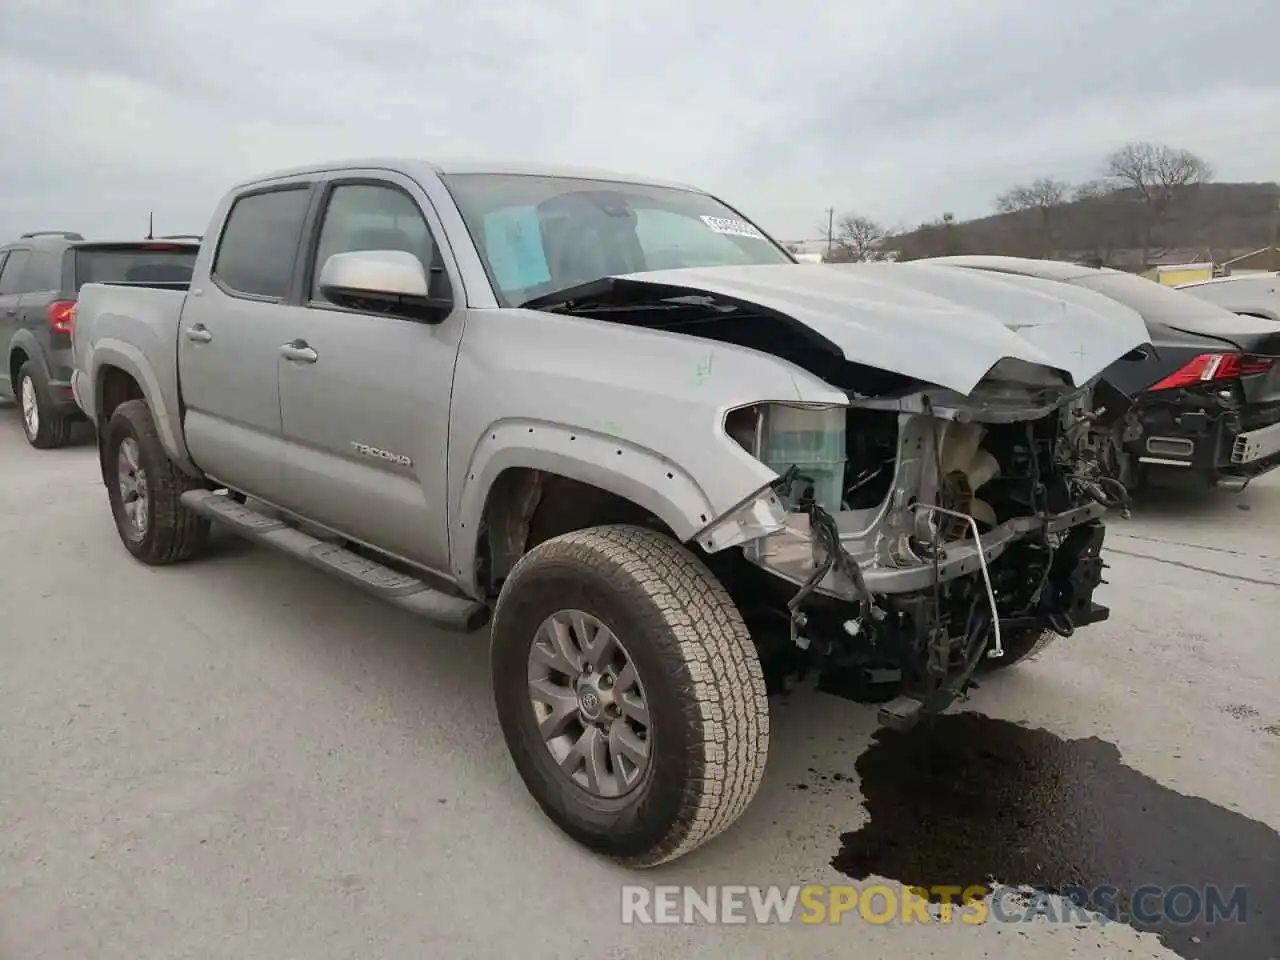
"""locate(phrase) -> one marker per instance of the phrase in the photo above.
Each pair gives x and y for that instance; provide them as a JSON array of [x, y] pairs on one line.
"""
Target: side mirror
[[383, 281]]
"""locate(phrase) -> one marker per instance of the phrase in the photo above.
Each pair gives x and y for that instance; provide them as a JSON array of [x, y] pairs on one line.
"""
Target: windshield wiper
[[610, 294], [558, 299]]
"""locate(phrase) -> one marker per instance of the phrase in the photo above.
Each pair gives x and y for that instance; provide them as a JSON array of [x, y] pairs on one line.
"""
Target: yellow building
[[1172, 274]]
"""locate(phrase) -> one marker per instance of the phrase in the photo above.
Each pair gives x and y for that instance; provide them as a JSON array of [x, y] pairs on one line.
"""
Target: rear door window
[[12, 273], [134, 263], [259, 244], [43, 272]]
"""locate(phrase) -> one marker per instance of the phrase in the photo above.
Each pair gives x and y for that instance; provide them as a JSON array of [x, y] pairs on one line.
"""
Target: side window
[[366, 216], [11, 274], [259, 243], [43, 272]]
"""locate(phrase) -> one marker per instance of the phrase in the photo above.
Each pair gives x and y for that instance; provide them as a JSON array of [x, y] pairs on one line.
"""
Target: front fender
[[118, 353], [629, 471]]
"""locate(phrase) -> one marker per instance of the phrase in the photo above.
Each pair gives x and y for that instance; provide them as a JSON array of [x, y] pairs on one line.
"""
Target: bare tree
[[858, 238], [1096, 222], [1158, 177], [1094, 190], [1042, 200]]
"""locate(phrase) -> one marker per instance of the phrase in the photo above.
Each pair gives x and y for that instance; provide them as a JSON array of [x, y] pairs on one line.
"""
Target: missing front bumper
[[790, 555]]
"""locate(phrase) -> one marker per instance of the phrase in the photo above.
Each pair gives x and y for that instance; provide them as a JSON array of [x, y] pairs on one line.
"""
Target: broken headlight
[[804, 438]]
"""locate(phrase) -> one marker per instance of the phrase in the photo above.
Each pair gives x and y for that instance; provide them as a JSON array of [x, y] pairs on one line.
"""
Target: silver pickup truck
[[669, 459]]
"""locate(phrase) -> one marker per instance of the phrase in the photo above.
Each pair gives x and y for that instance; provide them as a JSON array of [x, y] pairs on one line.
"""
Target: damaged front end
[[908, 537], [951, 509]]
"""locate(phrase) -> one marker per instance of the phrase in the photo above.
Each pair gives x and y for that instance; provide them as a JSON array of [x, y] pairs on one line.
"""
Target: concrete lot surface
[[241, 757]]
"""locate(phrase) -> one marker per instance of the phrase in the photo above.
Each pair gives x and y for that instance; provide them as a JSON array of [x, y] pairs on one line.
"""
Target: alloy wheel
[[589, 704], [132, 480], [30, 406]]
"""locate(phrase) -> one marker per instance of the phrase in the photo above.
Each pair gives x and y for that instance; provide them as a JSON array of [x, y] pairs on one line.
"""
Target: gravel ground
[[241, 757]]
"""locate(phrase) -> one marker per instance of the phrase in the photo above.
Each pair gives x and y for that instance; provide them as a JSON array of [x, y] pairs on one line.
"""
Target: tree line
[[1137, 202]]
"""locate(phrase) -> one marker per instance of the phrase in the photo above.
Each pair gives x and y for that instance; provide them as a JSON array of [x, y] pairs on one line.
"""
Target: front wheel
[[629, 693], [144, 487]]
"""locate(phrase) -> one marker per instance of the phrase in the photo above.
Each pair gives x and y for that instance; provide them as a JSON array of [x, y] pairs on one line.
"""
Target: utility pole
[[1275, 230], [831, 224], [151, 226]]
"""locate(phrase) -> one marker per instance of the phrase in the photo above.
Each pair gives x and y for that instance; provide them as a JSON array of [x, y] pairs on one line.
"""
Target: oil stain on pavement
[[970, 800]]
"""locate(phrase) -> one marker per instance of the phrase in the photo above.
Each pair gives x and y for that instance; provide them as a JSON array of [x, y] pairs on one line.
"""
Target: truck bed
[[114, 322]]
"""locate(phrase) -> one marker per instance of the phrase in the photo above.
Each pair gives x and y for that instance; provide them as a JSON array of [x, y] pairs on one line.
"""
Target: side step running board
[[453, 613]]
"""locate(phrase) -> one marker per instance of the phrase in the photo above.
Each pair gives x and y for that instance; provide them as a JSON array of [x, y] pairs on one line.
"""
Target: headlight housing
[[810, 437]]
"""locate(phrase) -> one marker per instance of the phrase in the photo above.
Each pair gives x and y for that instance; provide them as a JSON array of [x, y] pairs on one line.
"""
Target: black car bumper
[[1207, 446]]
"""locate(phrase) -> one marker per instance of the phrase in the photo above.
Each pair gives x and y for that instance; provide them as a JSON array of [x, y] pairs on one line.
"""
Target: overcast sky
[[899, 110]]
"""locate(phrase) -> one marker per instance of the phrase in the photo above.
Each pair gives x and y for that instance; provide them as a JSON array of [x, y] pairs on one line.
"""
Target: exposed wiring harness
[[1088, 475], [1108, 491], [834, 555]]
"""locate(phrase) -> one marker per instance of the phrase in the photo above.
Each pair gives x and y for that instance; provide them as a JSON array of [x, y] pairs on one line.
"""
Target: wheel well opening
[[114, 388], [16, 360], [526, 507]]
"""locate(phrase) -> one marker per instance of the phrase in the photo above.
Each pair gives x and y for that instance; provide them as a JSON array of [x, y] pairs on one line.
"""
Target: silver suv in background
[[41, 274]]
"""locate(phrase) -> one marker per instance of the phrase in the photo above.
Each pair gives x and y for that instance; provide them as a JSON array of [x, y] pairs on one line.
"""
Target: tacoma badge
[[367, 451]]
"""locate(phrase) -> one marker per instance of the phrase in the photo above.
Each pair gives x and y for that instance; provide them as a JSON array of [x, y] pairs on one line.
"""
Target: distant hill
[[1213, 221]]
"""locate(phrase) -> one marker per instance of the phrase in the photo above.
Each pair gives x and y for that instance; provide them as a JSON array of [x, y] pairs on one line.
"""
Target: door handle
[[299, 352], [199, 333]]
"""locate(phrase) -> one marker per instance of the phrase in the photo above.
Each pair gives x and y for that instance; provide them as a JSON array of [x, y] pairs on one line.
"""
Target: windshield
[[540, 235]]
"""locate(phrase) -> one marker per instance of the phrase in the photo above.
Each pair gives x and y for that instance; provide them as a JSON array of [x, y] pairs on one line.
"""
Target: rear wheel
[[629, 692], [144, 487], [44, 428]]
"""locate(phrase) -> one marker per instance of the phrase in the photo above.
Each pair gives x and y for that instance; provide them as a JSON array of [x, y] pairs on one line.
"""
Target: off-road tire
[[1019, 646], [709, 718], [52, 429], [173, 532]]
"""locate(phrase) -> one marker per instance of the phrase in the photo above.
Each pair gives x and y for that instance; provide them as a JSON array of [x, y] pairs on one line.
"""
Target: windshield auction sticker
[[731, 227]]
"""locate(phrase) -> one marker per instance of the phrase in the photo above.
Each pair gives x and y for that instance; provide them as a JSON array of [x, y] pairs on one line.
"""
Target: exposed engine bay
[[917, 542]]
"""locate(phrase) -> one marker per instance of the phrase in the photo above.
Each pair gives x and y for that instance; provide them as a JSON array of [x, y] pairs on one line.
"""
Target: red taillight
[[1206, 368], [1251, 366], [62, 316]]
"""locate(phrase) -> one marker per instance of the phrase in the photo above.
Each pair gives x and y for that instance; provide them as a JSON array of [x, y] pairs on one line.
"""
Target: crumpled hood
[[943, 325]]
